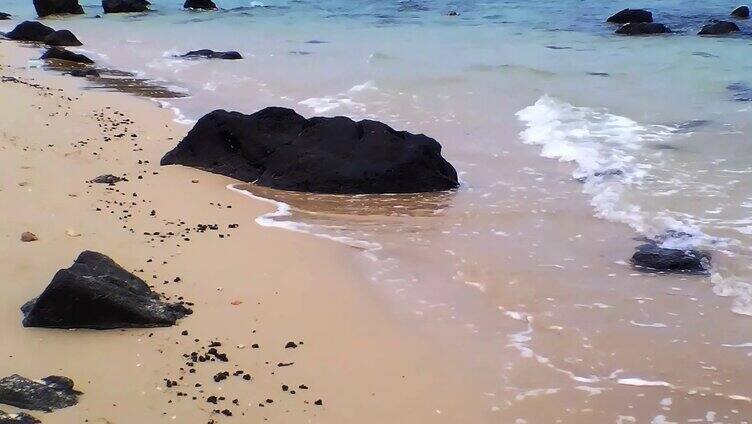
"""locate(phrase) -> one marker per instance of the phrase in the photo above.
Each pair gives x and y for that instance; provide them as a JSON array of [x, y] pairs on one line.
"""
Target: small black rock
[[62, 38], [107, 179], [719, 28], [30, 31], [125, 6], [57, 53], [4, 16], [627, 16], [53, 392], [211, 54], [643, 29], [200, 4], [651, 257], [741, 12]]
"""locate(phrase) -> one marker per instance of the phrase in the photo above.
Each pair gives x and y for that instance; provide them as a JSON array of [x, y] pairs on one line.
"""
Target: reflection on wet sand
[[363, 206]]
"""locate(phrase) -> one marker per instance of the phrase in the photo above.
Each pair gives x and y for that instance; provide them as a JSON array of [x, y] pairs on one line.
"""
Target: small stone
[[318, 402], [27, 236], [291, 345], [72, 233], [236, 302]]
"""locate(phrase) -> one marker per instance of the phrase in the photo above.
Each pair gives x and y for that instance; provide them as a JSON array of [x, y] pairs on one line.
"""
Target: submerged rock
[[97, 293], [57, 53], [20, 418], [278, 148], [719, 28], [4, 16], [57, 7], [30, 31], [211, 54], [741, 12], [125, 6], [643, 29], [48, 394], [741, 91], [200, 4], [653, 258], [627, 16], [62, 38], [83, 73]]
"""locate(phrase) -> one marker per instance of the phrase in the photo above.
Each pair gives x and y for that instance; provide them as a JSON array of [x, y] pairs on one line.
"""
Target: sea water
[[571, 144]]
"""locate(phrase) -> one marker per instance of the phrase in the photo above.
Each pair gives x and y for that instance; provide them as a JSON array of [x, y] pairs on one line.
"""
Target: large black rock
[[211, 54], [53, 392], [61, 38], [741, 12], [30, 31], [125, 6], [97, 293], [57, 53], [719, 28], [200, 4], [652, 257], [278, 148], [20, 418], [57, 7], [4, 16], [627, 16], [643, 29]]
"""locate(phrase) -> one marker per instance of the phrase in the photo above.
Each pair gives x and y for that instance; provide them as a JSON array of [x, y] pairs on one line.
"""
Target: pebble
[[27, 236]]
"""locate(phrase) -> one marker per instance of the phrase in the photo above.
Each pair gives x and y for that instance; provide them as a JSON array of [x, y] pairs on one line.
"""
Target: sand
[[248, 285]]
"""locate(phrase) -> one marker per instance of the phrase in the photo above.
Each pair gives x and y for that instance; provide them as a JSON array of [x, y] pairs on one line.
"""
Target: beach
[[252, 286], [512, 298]]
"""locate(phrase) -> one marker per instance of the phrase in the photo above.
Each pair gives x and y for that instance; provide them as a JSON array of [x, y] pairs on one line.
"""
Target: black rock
[[30, 31], [643, 29], [20, 418], [211, 54], [278, 148], [741, 91], [4, 17], [62, 38], [628, 16], [57, 53], [719, 28], [83, 73], [57, 7], [107, 179], [125, 6], [97, 293], [653, 258], [50, 393], [741, 12], [200, 4]]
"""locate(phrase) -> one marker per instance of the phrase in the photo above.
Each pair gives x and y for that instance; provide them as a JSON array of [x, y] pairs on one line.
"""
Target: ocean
[[572, 145]]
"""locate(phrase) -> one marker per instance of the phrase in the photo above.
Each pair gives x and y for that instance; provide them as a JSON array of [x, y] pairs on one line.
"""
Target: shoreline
[[274, 286]]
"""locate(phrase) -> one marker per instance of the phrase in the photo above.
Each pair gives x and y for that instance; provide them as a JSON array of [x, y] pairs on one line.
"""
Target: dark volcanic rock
[[4, 17], [82, 73], [643, 29], [200, 4], [57, 7], [653, 258], [741, 12], [21, 418], [62, 38], [211, 54], [97, 293], [107, 179], [125, 6], [50, 393], [278, 148], [719, 28], [30, 31], [627, 16], [57, 53]]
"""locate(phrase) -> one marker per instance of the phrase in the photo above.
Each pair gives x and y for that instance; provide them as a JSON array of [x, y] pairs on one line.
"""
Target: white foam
[[179, 117], [272, 219], [642, 382], [652, 325], [344, 102]]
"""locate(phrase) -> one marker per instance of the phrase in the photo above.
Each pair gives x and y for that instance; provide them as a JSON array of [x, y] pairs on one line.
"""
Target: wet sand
[[249, 284]]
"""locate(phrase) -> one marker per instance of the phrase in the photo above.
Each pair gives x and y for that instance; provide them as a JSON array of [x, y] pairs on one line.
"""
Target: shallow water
[[571, 142]]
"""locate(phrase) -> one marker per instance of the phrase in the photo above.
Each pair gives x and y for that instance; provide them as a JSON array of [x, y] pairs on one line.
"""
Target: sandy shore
[[249, 285]]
